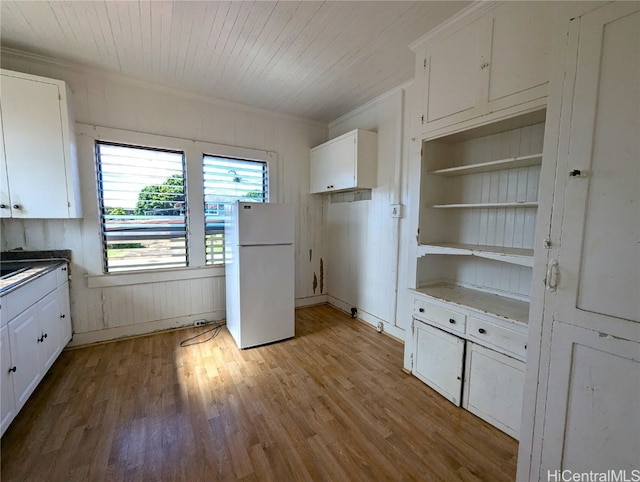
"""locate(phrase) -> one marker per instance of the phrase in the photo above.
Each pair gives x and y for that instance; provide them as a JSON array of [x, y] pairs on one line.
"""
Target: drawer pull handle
[[12, 370], [452, 321], [482, 330], [525, 347], [421, 310]]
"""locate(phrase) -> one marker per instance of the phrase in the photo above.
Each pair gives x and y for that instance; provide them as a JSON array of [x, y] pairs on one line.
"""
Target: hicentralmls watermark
[[593, 476]]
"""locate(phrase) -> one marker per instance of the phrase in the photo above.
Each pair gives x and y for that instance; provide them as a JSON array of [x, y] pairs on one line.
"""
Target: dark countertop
[[36, 264]]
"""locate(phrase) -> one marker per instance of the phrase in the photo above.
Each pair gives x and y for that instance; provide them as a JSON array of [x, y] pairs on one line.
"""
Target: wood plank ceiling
[[311, 59]]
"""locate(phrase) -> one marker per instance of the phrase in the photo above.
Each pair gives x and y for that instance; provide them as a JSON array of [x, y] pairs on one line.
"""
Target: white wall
[[101, 310], [365, 245]]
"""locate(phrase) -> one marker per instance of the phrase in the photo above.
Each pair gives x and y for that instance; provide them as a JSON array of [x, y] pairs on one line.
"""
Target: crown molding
[[117, 77]]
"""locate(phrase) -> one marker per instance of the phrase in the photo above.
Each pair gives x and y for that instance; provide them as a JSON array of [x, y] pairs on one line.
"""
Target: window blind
[[142, 207], [225, 181]]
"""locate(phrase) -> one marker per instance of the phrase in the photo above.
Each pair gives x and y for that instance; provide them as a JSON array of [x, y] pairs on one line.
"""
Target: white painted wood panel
[[363, 240], [438, 360], [313, 59], [112, 101], [7, 394], [493, 386]]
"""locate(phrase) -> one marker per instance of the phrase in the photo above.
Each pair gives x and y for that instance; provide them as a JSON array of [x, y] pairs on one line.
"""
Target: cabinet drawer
[[17, 301], [449, 320], [487, 333], [62, 275]]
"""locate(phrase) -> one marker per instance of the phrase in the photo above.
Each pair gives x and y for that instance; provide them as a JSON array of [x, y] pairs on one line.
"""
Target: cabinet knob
[[452, 321], [421, 310], [64, 269], [482, 330], [12, 370], [44, 336], [16, 206], [63, 316], [3, 206], [39, 340], [484, 65]]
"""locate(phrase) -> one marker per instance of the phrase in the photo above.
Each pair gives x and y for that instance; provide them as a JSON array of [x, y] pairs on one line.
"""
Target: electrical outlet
[[380, 327], [396, 210], [199, 323]]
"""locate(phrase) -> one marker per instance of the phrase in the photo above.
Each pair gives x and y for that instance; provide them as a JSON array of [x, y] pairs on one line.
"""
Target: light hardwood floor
[[330, 404]]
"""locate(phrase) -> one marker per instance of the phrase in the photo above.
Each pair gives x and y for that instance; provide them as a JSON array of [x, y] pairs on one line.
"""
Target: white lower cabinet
[[439, 360], [7, 398], [475, 361], [32, 340], [493, 387]]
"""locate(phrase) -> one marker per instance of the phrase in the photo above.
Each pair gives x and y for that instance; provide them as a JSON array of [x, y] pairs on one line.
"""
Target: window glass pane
[[142, 207], [225, 181]]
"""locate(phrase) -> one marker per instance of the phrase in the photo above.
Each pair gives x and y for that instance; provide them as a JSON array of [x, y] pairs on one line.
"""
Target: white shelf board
[[524, 204], [492, 304], [498, 165], [519, 256]]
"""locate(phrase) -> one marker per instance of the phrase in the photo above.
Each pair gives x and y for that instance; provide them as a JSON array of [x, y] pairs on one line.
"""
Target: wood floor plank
[[330, 404]]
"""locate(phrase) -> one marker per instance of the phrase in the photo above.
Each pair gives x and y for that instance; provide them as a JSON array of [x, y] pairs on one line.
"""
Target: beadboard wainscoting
[[366, 242], [102, 311]]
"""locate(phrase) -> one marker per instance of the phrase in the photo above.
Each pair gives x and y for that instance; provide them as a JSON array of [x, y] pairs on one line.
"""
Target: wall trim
[[361, 108], [311, 301], [138, 329], [96, 72], [369, 318]]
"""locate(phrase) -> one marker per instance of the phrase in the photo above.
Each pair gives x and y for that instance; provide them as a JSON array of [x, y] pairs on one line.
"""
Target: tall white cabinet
[[38, 152], [479, 146], [582, 398]]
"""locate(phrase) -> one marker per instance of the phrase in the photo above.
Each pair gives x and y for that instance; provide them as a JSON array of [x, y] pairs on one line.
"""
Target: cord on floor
[[189, 341]]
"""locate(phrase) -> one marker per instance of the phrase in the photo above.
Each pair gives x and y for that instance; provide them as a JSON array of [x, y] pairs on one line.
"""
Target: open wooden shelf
[[492, 304], [524, 204], [498, 165], [518, 256]]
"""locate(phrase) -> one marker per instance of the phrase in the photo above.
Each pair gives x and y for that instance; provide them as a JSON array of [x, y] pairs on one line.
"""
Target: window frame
[[265, 190], [103, 215], [91, 246]]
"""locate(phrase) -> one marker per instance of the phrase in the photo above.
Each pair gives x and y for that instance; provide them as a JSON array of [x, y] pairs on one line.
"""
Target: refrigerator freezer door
[[264, 223], [266, 293]]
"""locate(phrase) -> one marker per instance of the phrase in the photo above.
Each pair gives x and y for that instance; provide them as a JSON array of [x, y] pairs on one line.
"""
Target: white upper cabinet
[[39, 165], [486, 64], [346, 162]]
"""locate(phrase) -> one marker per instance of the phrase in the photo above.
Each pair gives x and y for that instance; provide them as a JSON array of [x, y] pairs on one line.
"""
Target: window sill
[[109, 280]]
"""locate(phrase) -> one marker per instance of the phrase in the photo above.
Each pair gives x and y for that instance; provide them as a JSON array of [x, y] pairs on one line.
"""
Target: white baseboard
[[369, 318], [311, 300], [138, 329]]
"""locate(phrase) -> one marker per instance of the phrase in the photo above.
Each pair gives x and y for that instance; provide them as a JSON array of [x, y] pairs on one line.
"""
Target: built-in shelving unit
[[479, 199], [519, 256], [521, 204], [492, 304], [499, 165]]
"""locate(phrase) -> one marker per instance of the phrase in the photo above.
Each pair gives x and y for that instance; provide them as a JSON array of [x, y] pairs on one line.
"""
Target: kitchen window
[[226, 180], [143, 207]]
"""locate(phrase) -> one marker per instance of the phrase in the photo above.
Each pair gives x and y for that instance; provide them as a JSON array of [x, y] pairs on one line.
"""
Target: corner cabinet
[[490, 60], [344, 163], [38, 151]]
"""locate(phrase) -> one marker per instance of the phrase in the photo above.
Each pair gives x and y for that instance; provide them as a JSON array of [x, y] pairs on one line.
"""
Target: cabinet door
[[50, 329], [7, 397], [5, 198], [333, 165], [438, 360], [24, 333], [593, 414], [593, 392], [62, 293], [452, 74], [518, 67], [493, 388], [34, 148]]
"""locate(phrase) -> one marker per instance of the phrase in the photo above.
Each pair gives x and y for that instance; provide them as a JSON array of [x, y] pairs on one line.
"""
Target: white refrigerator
[[259, 263]]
